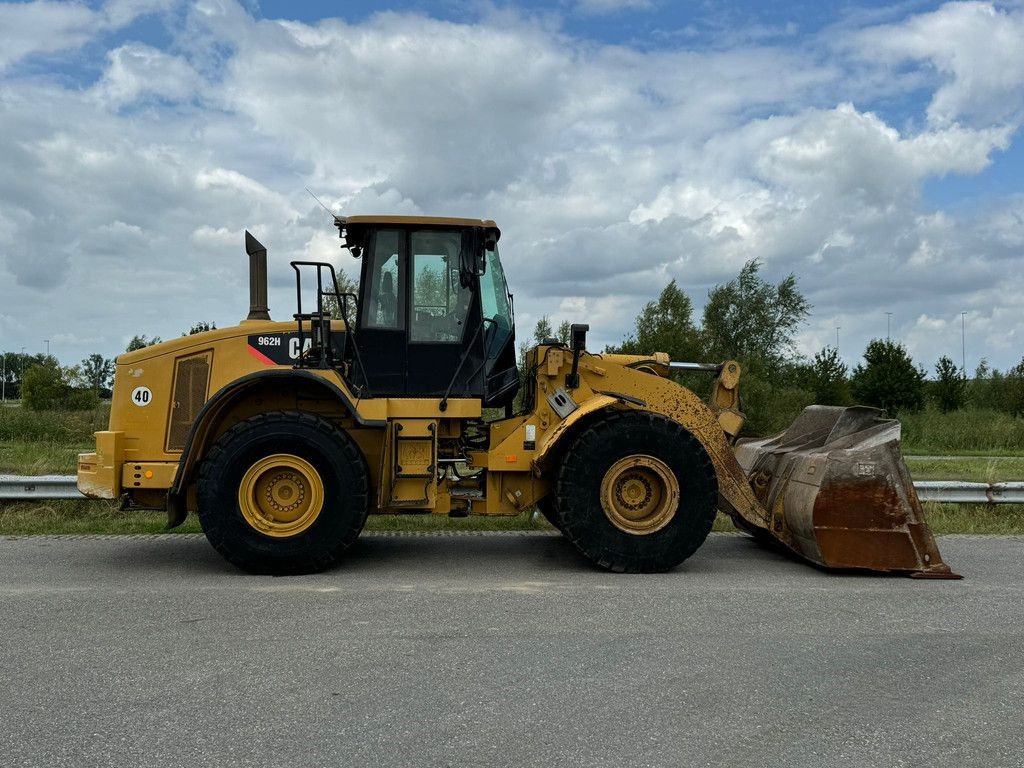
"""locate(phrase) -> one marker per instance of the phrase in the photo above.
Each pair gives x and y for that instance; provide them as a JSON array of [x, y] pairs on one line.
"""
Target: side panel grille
[[191, 380]]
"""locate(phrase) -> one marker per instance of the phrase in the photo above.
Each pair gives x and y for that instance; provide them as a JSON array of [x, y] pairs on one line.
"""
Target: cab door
[[441, 312], [381, 328]]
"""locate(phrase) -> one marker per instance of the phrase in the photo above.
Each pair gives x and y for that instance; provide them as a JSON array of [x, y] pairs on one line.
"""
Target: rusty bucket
[[839, 494]]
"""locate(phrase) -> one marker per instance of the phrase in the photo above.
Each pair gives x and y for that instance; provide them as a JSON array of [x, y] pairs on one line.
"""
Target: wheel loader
[[406, 398]]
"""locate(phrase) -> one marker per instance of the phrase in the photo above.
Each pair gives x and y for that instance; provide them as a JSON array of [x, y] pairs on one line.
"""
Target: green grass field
[[989, 447]]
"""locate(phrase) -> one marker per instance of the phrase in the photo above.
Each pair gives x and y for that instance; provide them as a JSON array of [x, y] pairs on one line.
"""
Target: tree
[[988, 387], [333, 307], [950, 389], [542, 330], [201, 327], [564, 331], [665, 325], [750, 319], [888, 379], [141, 342], [48, 387], [826, 377], [97, 372], [13, 370]]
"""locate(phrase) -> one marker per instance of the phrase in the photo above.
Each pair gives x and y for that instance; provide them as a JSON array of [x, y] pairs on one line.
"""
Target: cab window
[[440, 304], [382, 307]]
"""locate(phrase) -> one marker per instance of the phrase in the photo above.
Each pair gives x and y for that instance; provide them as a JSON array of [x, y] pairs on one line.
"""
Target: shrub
[[48, 387]]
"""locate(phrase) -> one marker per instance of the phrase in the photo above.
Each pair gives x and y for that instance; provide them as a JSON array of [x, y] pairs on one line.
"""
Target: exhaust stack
[[258, 309]]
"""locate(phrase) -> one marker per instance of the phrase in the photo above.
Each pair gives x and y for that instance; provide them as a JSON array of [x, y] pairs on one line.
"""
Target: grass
[[1000, 519], [68, 428], [34, 443], [70, 517], [47, 442], [40, 458], [970, 431], [971, 468]]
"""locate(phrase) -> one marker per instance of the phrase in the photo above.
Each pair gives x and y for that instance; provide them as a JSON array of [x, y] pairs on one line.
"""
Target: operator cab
[[434, 314]]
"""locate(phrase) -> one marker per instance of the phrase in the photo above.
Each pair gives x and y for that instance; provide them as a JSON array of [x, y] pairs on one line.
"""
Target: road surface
[[503, 650]]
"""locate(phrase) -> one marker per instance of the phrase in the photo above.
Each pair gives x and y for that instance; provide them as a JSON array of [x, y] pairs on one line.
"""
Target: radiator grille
[[191, 379]]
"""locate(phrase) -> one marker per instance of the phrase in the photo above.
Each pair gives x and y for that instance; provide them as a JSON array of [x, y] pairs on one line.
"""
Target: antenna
[[338, 220]]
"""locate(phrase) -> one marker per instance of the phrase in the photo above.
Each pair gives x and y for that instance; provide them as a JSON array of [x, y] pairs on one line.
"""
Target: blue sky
[[872, 149]]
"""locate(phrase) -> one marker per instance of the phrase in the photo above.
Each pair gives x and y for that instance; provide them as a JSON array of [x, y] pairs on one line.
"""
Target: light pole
[[888, 324], [963, 344], [47, 343], [22, 380], [3, 381], [837, 339]]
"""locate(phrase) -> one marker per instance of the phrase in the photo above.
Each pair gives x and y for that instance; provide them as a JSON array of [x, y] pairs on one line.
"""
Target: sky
[[873, 150]]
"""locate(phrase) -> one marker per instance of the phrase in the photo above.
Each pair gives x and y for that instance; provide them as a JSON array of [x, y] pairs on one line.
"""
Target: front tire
[[283, 493], [636, 493]]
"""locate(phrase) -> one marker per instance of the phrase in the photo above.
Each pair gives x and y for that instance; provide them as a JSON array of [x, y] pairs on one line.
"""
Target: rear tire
[[636, 493], [283, 493]]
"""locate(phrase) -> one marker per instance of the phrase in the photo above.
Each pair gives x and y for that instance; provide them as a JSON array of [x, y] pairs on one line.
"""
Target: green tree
[[888, 378], [827, 377], [988, 387], [97, 372], [48, 387], [346, 285], [564, 331], [141, 342], [665, 325], [950, 388], [542, 330], [750, 319], [201, 327], [14, 366]]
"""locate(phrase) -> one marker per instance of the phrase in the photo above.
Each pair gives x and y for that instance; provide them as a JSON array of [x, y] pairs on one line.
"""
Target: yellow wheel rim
[[281, 495], [640, 494]]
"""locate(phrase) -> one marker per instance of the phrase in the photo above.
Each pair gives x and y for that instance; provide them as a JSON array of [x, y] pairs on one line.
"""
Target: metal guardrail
[[960, 492], [19, 487]]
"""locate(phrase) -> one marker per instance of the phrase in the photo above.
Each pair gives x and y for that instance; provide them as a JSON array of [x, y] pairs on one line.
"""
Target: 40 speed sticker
[[142, 396]]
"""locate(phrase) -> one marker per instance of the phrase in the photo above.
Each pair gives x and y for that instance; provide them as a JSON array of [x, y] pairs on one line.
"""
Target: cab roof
[[422, 221]]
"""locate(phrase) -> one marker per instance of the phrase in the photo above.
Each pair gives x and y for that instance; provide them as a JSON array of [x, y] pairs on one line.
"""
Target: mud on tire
[[672, 532]]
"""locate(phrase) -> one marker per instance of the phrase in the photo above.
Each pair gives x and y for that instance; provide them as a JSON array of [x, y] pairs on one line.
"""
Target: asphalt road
[[504, 650]]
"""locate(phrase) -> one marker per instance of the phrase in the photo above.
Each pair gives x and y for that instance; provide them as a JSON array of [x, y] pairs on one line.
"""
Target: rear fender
[[211, 417]]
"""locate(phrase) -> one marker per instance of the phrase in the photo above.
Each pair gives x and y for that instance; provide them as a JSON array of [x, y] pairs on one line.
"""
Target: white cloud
[[612, 6], [43, 27], [976, 49], [136, 71], [610, 171], [47, 26]]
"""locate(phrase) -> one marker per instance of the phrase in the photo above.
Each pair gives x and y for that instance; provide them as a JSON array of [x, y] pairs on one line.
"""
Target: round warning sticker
[[142, 396]]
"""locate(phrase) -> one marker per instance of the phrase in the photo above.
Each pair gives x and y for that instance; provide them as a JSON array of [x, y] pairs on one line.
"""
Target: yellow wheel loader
[[284, 436]]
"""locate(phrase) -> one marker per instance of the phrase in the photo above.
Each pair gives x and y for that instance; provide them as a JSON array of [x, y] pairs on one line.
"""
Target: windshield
[[496, 307]]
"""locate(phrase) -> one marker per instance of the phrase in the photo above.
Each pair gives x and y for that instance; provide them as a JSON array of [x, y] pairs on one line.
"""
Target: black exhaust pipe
[[258, 309]]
